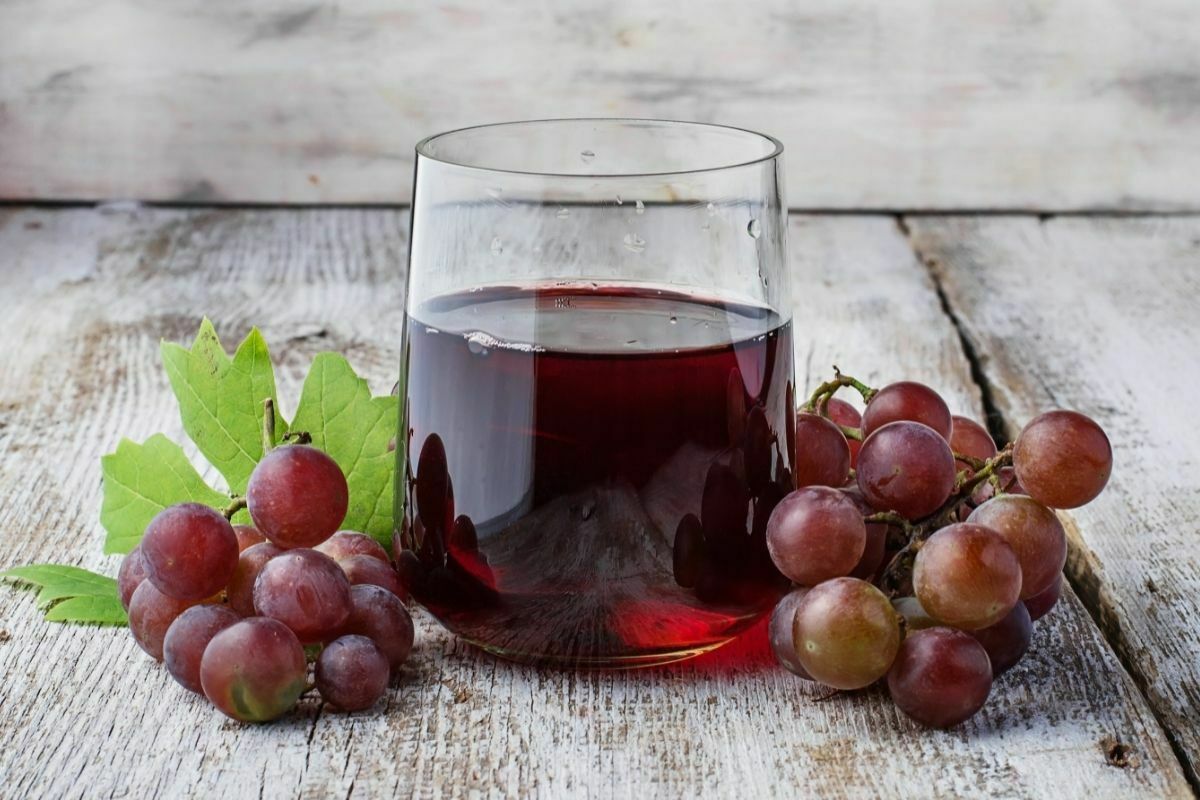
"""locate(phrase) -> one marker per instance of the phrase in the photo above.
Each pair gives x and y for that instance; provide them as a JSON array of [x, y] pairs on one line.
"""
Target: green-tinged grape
[[1040, 604], [344, 544], [190, 550], [941, 677], [305, 590], [1063, 459], [916, 618], [967, 576], [906, 467], [188, 636], [780, 631], [1033, 532], [352, 673], [822, 452], [846, 633], [254, 670], [297, 496], [814, 534], [907, 401], [1007, 640]]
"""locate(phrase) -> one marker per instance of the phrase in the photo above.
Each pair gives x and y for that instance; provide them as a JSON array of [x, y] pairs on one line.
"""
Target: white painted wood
[[1100, 315], [1046, 104], [83, 713]]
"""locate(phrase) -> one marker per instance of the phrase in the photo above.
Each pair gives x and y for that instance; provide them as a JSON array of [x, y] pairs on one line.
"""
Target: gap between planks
[[1081, 571]]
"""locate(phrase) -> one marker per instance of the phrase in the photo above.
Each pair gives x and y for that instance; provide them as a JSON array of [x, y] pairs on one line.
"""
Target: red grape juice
[[590, 469]]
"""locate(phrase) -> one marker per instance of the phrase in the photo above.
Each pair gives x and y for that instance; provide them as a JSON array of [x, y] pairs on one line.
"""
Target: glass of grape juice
[[597, 398]]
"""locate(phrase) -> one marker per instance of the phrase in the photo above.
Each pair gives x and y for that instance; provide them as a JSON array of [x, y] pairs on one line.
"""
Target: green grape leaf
[[337, 410], [221, 399], [71, 594], [142, 479]]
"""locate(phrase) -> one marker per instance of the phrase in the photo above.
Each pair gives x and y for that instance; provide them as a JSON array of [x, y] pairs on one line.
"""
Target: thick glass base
[[598, 662]]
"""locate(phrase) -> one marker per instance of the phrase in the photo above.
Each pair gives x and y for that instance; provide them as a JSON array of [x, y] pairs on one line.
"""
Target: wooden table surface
[[1006, 314]]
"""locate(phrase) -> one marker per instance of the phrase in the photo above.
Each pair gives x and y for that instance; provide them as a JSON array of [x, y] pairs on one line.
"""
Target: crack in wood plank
[[943, 247]]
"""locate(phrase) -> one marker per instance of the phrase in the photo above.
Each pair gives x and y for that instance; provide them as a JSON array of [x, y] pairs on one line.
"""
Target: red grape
[[463, 538], [916, 618], [781, 631], [906, 467], [380, 616], [814, 534], [758, 447], [846, 415], [254, 670], [907, 401], [941, 677], [877, 532], [247, 537], [131, 574], [687, 552], [822, 454], [1033, 532], [297, 496], [969, 438], [150, 614], [344, 544], [1040, 604], [967, 576], [873, 553], [240, 591], [362, 569], [1007, 640], [1063, 459], [189, 634], [352, 673], [190, 550], [434, 501], [305, 590], [846, 633]]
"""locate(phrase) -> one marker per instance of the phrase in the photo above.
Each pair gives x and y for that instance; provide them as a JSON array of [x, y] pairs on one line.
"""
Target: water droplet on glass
[[641, 207], [674, 320], [620, 202], [634, 243], [586, 156], [562, 212], [754, 229], [711, 209], [497, 246]]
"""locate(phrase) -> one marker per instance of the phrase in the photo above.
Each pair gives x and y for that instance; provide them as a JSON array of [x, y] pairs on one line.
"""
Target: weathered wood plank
[[84, 713], [1101, 315], [1065, 105]]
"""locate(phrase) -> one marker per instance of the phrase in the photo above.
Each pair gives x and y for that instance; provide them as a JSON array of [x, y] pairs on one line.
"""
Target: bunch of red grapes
[[921, 552], [231, 609]]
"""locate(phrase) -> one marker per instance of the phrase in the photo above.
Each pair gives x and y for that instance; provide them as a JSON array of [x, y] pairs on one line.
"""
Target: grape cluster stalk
[[971, 548], [237, 613]]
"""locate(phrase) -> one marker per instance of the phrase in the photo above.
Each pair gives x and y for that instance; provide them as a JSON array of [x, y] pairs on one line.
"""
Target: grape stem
[[820, 396], [899, 570], [235, 506]]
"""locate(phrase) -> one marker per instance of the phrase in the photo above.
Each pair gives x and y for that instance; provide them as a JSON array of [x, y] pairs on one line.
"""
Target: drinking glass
[[597, 400]]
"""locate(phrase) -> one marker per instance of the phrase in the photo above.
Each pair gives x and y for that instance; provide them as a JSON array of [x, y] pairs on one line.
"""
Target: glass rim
[[422, 148]]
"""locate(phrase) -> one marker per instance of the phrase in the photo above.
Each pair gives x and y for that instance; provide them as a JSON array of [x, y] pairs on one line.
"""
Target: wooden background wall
[[916, 104]]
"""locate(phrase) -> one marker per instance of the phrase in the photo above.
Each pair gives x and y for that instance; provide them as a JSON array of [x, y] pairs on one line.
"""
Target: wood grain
[[1071, 104], [83, 713], [1100, 316]]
